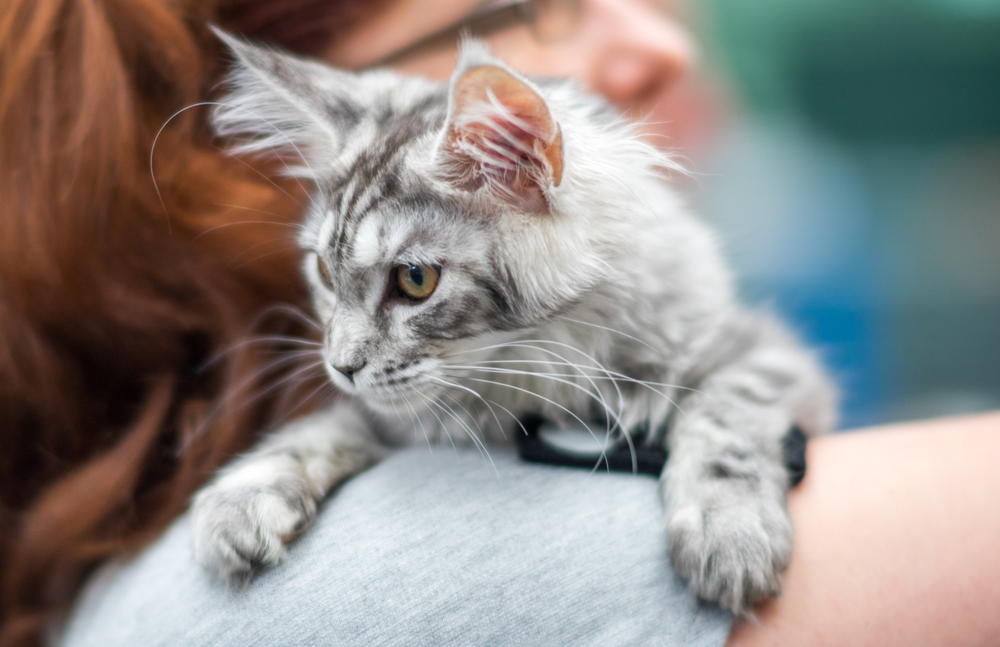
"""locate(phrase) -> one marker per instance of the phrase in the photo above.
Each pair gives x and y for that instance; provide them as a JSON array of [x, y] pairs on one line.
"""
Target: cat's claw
[[239, 530], [734, 554]]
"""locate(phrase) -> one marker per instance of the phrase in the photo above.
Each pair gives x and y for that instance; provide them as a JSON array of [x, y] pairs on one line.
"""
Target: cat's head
[[444, 217]]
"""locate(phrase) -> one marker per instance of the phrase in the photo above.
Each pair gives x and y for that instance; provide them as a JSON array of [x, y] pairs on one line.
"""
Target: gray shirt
[[431, 547]]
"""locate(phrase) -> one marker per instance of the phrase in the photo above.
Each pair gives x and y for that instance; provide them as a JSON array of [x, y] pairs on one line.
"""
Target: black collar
[[637, 458]]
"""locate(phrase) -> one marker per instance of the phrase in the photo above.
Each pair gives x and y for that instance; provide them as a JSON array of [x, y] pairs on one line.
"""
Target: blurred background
[[850, 153]]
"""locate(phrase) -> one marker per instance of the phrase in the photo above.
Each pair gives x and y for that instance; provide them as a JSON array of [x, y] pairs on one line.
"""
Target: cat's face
[[417, 247], [443, 221], [403, 285]]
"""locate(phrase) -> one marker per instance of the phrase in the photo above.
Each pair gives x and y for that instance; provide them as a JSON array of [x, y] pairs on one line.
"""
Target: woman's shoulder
[[424, 548]]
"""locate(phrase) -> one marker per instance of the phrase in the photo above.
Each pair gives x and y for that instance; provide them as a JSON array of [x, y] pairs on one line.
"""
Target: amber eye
[[324, 272], [417, 281]]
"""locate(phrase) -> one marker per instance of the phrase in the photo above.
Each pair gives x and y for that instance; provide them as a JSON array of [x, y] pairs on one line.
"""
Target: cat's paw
[[732, 554], [238, 530]]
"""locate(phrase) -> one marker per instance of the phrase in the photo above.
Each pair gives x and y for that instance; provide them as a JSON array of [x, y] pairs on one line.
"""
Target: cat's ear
[[276, 102], [499, 133]]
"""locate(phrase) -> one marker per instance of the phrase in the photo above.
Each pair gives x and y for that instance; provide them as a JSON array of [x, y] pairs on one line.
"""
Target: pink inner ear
[[506, 120]]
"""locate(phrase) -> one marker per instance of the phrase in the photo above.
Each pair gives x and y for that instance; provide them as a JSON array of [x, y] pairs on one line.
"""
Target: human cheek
[[436, 66]]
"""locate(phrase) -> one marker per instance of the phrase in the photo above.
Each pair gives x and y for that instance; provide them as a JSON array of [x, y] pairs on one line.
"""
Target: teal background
[[857, 183]]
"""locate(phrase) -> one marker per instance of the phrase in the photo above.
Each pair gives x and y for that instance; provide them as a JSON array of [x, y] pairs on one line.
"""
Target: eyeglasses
[[549, 20]]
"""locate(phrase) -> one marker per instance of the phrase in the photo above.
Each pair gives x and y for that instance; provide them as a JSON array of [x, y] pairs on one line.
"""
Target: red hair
[[125, 379]]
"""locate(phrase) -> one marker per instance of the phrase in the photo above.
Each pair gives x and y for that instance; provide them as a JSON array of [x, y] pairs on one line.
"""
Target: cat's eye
[[324, 272], [417, 282]]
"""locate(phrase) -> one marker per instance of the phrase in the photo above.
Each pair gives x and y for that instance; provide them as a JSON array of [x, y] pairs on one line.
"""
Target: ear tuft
[[500, 131], [285, 105]]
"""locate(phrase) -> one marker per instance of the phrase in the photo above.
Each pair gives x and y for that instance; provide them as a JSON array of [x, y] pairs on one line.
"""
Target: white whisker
[[159, 132], [597, 397], [465, 388], [454, 415], [478, 443], [612, 376], [617, 332], [288, 309], [418, 421], [231, 394], [246, 222], [473, 418], [311, 346], [549, 400], [269, 180], [597, 366], [443, 426]]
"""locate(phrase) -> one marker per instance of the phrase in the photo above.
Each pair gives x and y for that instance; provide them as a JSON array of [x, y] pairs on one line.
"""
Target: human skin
[[627, 50], [897, 531], [896, 528]]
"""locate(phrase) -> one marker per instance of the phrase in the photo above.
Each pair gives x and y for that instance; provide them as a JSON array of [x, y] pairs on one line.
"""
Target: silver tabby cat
[[496, 247]]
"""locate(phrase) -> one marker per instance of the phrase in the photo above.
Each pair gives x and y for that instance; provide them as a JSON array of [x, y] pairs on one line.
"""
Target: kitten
[[497, 247]]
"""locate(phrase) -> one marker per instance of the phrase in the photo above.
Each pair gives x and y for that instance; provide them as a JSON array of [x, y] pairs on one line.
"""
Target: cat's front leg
[[242, 519], [725, 484], [728, 529]]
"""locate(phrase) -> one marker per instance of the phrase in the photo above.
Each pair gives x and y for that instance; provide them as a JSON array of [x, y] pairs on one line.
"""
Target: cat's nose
[[349, 371]]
